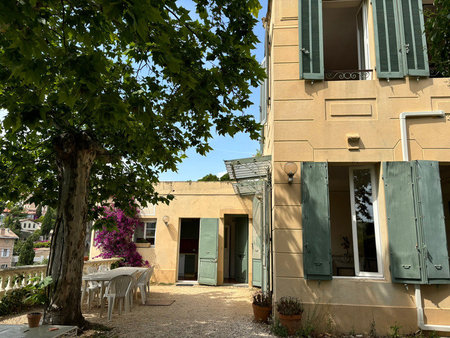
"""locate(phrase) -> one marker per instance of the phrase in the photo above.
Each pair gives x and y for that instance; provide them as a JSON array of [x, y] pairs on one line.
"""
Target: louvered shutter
[[401, 219], [316, 221], [414, 42], [263, 97], [387, 39], [431, 217], [310, 39]]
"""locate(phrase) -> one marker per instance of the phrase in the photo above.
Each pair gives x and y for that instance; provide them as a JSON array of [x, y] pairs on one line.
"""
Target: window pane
[[139, 234], [150, 232], [365, 225]]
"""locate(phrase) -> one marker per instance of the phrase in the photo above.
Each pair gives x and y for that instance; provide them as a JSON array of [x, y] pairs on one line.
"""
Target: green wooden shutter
[[414, 42], [316, 221], [431, 216], [208, 251], [401, 219], [263, 96], [310, 39], [257, 241], [387, 39]]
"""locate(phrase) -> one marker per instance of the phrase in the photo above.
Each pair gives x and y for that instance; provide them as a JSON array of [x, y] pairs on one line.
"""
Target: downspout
[[405, 150]]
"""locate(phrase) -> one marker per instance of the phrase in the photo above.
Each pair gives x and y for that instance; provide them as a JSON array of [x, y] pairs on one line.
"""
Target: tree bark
[[75, 155]]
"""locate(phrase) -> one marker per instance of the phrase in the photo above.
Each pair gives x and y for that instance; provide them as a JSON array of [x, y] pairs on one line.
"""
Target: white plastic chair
[[93, 288], [120, 288], [143, 284]]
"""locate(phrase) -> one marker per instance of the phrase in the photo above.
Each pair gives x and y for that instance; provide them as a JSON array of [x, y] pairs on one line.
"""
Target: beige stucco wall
[[310, 122], [192, 200]]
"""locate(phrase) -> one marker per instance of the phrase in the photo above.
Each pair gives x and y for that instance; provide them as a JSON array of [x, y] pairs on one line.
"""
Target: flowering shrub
[[118, 242]]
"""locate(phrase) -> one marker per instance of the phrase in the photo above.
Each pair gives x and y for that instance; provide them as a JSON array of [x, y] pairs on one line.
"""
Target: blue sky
[[224, 148]]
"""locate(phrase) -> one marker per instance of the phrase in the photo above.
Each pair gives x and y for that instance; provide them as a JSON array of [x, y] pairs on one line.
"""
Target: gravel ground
[[198, 311]]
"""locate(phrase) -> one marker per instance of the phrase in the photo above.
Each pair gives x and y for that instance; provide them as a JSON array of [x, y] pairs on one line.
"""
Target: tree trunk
[[75, 155]]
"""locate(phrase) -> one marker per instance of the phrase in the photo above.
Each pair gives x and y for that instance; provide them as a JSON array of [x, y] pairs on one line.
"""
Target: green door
[[241, 257], [208, 251], [256, 242]]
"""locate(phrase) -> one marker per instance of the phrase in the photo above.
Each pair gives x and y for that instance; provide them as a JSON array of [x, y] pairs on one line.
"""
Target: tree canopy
[[102, 96]]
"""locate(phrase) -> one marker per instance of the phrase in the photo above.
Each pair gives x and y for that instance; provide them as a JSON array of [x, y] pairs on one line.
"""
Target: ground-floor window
[[355, 235], [146, 233]]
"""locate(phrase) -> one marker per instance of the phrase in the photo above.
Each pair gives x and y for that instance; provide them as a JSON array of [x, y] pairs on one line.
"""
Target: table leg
[[102, 291], [83, 292]]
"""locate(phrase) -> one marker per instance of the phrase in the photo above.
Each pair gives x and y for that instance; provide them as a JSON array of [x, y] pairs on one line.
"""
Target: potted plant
[[37, 296], [290, 311], [262, 306]]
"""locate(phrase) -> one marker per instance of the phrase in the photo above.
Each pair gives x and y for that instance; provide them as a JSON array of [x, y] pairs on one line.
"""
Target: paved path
[[198, 311]]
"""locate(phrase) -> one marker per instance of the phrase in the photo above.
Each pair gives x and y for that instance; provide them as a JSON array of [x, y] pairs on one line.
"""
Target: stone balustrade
[[21, 276]]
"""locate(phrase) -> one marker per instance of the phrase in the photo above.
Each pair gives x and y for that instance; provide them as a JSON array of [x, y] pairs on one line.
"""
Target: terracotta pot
[[86, 258], [261, 313], [291, 322], [34, 318]]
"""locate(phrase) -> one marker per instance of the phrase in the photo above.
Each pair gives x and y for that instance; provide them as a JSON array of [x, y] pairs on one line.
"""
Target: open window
[[341, 235], [346, 40]]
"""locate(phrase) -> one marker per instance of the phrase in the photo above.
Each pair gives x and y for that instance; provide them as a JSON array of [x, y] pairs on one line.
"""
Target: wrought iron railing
[[345, 75]]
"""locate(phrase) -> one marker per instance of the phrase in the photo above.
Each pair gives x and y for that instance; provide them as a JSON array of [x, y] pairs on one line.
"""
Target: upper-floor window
[[3, 266], [5, 252], [146, 233], [334, 39]]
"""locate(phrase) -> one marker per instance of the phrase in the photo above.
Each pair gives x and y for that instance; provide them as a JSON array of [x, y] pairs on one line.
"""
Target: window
[[5, 252], [333, 39], [146, 233], [4, 266], [340, 221]]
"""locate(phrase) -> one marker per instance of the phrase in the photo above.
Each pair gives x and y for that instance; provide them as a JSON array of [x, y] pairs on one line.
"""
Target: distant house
[[29, 225], [7, 238]]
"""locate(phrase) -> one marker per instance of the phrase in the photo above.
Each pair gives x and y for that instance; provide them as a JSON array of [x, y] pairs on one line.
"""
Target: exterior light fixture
[[166, 220], [290, 168]]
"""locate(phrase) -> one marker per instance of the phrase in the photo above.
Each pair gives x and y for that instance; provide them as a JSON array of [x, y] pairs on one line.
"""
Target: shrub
[[262, 299], [118, 241], [289, 306], [45, 244], [26, 255]]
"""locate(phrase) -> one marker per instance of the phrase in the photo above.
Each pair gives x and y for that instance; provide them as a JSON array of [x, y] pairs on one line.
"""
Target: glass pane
[[365, 225], [139, 234]]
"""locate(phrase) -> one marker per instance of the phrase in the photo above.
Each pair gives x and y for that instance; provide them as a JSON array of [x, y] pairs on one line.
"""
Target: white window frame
[[5, 252], [146, 222], [376, 222], [4, 266]]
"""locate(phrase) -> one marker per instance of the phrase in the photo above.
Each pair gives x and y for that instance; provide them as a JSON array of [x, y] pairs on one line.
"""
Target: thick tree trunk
[[75, 154]]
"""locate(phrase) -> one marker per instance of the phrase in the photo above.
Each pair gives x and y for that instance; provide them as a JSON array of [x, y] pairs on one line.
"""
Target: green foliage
[[278, 330], [26, 254], [134, 83], [225, 177], [395, 331], [289, 306], [262, 299], [209, 178], [39, 211], [42, 244], [12, 221], [437, 28], [15, 301], [48, 223]]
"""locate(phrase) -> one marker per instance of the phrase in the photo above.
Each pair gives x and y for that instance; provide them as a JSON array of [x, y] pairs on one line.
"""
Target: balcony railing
[[346, 75], [19, 277]]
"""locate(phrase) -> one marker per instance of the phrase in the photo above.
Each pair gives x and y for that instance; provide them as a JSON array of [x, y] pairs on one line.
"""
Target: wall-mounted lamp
[[290, 168], [166, 220]]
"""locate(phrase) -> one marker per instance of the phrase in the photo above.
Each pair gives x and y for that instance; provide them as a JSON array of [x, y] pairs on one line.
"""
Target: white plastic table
[[19, 331], [106, 276]]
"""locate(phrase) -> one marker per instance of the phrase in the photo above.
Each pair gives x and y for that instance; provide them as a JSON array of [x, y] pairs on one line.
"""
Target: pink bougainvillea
[[119, 242]]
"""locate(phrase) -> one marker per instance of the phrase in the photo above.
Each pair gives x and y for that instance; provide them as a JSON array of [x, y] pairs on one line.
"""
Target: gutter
[[405, 150]]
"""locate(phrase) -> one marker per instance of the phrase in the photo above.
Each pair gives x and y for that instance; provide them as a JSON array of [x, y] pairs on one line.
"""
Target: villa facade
[[358, 133]]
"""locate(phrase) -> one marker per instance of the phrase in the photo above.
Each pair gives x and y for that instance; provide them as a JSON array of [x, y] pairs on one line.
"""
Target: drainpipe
[[418, 293]]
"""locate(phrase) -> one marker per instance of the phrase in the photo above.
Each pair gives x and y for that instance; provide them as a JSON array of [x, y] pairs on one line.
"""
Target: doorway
[[188, 252], [235, 249]]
